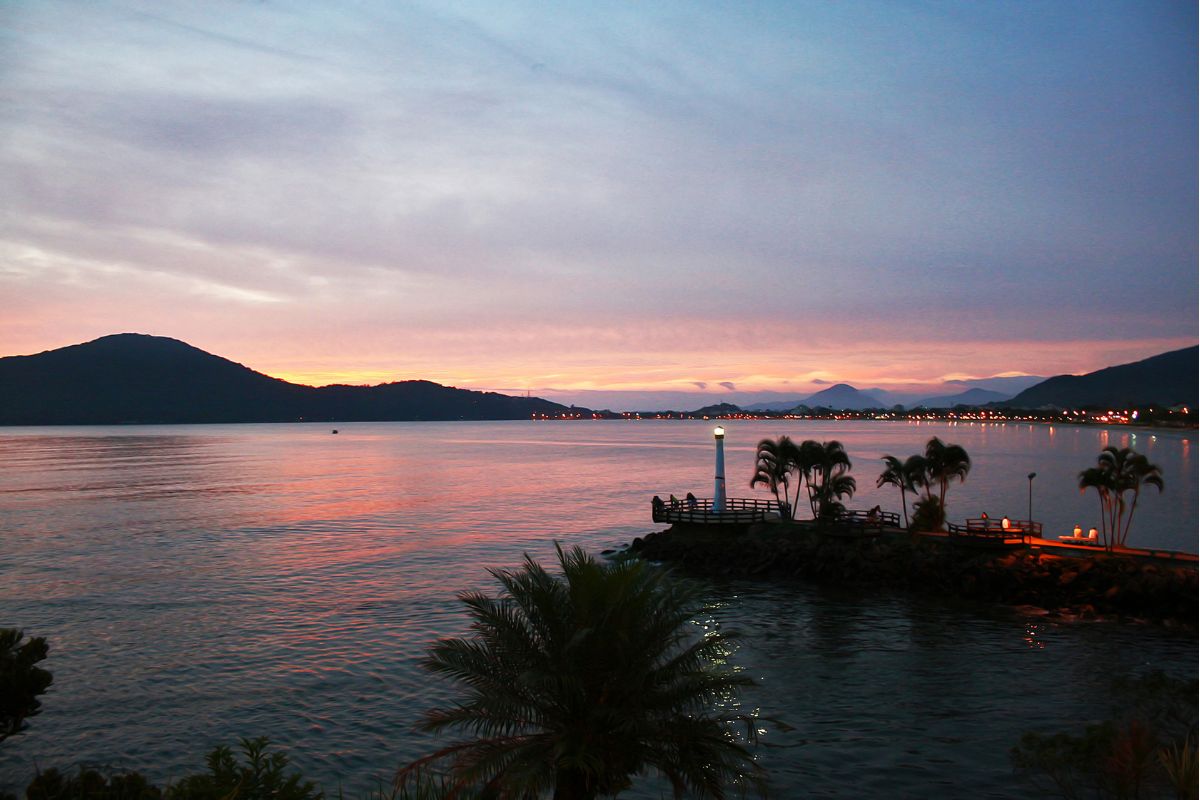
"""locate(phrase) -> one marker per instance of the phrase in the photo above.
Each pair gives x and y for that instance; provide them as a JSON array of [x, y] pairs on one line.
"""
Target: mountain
[[1008, 385], [843, 396], [132, 377], [1166, 379], [971, 397], [716, 410], [777, 405]]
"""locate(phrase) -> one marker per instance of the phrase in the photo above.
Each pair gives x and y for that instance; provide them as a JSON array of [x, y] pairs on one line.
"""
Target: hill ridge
[[138, 378]]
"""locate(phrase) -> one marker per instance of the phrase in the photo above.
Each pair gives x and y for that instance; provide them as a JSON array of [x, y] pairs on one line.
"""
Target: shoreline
[[1095, 586]]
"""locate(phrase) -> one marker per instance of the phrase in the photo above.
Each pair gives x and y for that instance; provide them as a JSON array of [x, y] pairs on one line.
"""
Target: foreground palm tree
[[1118, 472], [574, 683]]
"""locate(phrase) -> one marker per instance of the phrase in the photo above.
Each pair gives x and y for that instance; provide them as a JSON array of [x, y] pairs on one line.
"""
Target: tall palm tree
[[945, 462], [576, 682], [1102, 481], [774, 463], [1140, 472], [808, 460], [828, 465], [894, 475], [1118, 472]]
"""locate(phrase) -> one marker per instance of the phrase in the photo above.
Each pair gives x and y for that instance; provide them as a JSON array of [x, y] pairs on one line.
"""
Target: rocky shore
[[1097, 585]]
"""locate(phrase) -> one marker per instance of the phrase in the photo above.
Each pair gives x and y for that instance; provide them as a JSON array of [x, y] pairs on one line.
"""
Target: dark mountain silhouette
[[715, 410], [971, 397], [1167, 379], [134, 378], [843, 396]]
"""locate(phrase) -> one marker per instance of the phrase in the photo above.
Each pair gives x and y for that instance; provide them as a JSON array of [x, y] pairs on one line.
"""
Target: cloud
[[375, 176], [820, 382], [729, 385]]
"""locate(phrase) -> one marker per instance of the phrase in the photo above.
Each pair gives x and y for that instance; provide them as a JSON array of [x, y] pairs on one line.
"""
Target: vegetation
[[1118, 474], [940, 465], [821, 468], [575, 683], [1146, 748], [902, 475], [261, 776], [91, 784], [827, 468], [774, 462], [21, 680]]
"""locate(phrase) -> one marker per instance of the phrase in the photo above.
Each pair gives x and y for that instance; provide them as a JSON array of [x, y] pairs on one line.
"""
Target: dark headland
[[1097, 585], [134, 378]]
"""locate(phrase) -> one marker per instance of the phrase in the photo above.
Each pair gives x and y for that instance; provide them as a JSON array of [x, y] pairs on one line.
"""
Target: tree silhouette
[[1117, 473], [829, 465], [775, 460], [895, 474], [940, 465], [21, 681], [576, 682]]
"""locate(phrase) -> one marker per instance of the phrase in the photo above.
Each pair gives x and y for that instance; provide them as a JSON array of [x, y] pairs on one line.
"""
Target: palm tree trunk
[[572, 784], [904, 506], [1132, 508]]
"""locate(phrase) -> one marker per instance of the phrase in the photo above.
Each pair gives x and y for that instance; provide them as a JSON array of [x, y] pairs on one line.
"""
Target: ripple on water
[[202, 584]]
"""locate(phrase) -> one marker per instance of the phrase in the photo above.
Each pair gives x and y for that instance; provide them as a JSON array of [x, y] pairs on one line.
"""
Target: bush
[[261, 777], [89, 784], [20, 681]]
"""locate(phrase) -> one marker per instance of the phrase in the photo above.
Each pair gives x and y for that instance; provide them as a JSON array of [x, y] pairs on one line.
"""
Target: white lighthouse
[[718, 503]]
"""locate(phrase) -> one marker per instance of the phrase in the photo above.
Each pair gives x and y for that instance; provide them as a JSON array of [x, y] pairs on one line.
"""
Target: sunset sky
[[590, 200]]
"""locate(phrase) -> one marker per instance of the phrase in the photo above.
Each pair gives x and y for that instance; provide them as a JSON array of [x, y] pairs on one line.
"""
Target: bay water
[[203, 583]]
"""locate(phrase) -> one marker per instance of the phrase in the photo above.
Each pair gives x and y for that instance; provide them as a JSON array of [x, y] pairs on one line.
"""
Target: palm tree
[[774, 463], [576, 682], [1102, 481], [1117, 472], [894, 475], [1140, 472], [808, 460], [941, 464], [828, 464]]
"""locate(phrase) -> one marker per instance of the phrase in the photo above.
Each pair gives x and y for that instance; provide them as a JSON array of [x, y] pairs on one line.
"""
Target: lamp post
[[1031, 476], [718, 503]]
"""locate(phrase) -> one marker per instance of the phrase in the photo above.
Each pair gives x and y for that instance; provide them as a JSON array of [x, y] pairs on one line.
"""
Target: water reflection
[[199, 584]]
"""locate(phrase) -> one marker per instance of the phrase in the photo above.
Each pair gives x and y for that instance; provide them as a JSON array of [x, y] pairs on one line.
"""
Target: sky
[[604, 203]]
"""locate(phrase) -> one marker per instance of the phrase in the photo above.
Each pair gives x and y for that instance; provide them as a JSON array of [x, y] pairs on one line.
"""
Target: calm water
[[203, 583]]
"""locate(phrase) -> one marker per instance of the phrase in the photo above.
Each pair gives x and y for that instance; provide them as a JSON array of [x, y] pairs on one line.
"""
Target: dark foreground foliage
[[260, 775], [21, 680], [1145, 749], [573, 684]]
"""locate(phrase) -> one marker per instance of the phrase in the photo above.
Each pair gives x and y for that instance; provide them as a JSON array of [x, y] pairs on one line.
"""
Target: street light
[[718, 504], [1031, 476]]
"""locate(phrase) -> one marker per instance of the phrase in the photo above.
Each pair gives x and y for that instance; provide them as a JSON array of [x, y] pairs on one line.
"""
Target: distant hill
[[971, 397], [134, 378], [1166, 379], [716, 410], [775, 405], [843, 396]]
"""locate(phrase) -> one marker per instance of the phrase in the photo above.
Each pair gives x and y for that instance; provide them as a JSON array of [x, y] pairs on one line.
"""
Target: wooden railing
[[985, 530], [867, 520], [700, 511]]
